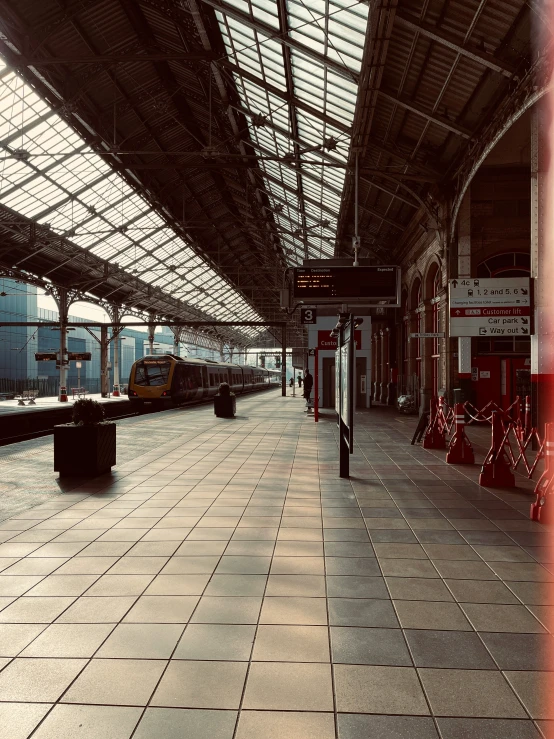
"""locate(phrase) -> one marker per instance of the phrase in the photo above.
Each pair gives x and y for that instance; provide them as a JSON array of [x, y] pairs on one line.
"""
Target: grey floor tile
[[481, 591], [298, 565], [358, 566], [38, 680], [297, 585], [464, 570], [348, 549], [15, 637], [141, 641], [227, 610], [519, 651], [162, 609], [17, 720], [97, 610], [369, 646], [285, 725], [471, 693], [483, 728], [400, 551], [393, 535], [197, 565], [440, 537], [418, 588], [495, 617], [408, 568], [241, 565], [116, 682], [294, 610], [284, 643], [29, 610], [345, 535], [368, 689], [454, 649], [362, 612], [298, 549], [89, 722], [201, 684], [177, 585], [181, 723], [431, 615], [236, 585], [68, 640], [529, 687], [457, 552], [201, 548], [349, 586], [216, 642], [289, 687], [360, 726]]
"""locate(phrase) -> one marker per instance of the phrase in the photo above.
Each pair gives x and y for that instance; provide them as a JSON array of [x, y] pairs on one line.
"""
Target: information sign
[[491, 307], [428, 335], [308, 316], [361, 285], [45, 356], [81, 356], [326, 342]]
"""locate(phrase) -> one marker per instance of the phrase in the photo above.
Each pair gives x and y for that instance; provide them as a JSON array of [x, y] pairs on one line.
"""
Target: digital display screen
[[337, 284]]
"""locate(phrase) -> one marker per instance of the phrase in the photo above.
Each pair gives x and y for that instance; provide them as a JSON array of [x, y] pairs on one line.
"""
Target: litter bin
[[225, 402]]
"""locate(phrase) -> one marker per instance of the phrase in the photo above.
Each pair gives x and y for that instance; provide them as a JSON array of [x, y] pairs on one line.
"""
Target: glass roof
[[57, 179], [299, 88]]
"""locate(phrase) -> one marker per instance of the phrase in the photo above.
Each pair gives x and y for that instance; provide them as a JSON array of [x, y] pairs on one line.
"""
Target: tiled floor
[[226, 584]]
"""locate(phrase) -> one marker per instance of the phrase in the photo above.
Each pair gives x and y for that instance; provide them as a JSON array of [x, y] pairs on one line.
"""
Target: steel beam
[[406, 20], [431, 117], [110, 59]]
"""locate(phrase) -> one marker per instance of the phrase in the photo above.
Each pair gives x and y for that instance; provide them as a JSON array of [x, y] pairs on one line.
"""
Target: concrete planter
[[84, 450]]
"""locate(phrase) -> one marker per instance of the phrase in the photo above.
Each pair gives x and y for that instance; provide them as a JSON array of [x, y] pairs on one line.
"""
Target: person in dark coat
[[308, 384]]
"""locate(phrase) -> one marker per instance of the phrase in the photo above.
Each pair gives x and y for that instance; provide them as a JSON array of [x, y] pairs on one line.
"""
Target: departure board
[[368, 284]]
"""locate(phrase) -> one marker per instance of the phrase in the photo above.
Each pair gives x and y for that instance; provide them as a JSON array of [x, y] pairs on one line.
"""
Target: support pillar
[[542, 269], [115, 338], [104, 374], [464, 270], [377, 383], [284, 360], [177, 332], [384, 365], [151, 334], [62, 299]]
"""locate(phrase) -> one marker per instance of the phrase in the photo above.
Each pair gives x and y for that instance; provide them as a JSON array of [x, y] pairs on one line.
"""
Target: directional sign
[[491, 307], [45, 356], [428, 335], [81, 356]]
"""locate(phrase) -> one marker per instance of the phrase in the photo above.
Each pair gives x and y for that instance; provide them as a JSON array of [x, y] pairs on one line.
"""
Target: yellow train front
[[167, 380]]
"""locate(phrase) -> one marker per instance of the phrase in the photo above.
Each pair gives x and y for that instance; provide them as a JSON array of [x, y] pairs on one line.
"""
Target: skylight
[[48, 173], [319, 47]]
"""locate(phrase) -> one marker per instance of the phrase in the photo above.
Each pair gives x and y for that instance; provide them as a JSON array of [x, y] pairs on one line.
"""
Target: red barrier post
[[541, 509], [460, 450], [434, 436], [496, 471]]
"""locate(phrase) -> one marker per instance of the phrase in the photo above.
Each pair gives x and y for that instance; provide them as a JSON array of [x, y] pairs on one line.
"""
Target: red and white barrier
[[63, 394], [116, 393], [496, 471], [542, 509], [435, 435], [460, 450]]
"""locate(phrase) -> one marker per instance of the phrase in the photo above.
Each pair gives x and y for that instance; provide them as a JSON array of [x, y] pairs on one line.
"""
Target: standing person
[[291, 383], [299, 380], [308, 384]]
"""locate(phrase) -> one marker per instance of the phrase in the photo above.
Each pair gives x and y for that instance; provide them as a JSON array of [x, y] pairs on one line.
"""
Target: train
[[168, 380]]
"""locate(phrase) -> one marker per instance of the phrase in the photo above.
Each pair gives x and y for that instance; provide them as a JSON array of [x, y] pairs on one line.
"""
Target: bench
[[78, 391]]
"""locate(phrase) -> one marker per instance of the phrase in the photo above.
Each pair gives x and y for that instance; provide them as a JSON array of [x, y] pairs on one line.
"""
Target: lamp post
[[78, 365]]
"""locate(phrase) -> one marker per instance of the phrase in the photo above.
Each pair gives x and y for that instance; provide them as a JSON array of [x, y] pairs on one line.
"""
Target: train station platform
[[225, 583]]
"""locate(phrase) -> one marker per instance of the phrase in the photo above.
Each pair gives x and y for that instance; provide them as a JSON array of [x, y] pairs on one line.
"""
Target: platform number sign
[[308, 315]]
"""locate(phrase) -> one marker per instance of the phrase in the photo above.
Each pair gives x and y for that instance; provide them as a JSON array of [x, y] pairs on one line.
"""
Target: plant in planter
[[88, 445], [225, 402]]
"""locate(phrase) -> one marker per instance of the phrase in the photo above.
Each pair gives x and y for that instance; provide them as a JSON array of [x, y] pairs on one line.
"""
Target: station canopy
[[208, 145]]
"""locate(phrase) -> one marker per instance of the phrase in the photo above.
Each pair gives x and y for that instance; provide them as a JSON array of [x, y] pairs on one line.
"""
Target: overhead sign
[[428, 335], [45, 356], [361, 285], [81, 356], [326, 342], [491, 307], [308, 315]]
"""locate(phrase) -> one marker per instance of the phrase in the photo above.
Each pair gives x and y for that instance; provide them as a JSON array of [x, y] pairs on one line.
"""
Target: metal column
[[62, 300], [115, 339], [284, 360], [104, 374]]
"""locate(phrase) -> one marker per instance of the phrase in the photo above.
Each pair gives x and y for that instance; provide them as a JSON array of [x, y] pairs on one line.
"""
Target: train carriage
[[168, 380]]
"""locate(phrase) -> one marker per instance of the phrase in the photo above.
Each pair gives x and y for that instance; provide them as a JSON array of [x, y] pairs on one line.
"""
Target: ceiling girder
[[451, 42], [431, 117]]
